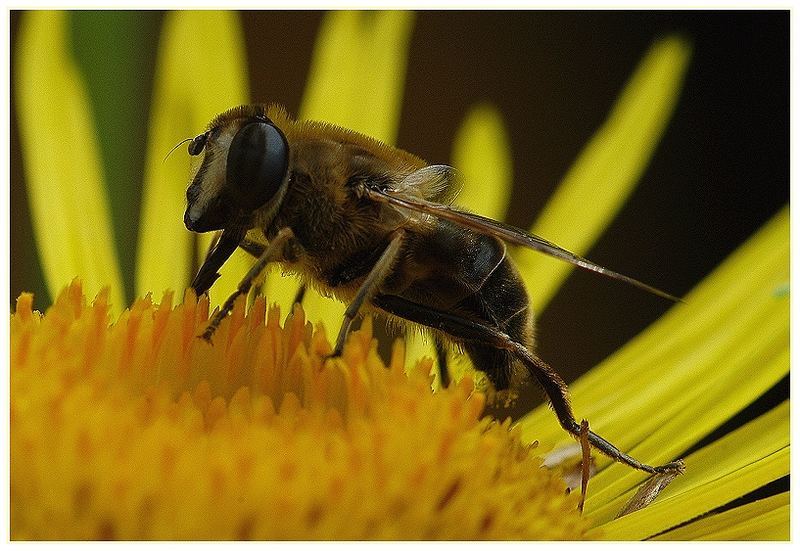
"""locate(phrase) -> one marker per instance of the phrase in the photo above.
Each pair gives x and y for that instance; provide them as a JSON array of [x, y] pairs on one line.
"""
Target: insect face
[[244, 167]]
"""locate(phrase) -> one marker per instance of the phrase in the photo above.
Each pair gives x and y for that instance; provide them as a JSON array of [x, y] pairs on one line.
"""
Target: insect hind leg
[[469, 331]]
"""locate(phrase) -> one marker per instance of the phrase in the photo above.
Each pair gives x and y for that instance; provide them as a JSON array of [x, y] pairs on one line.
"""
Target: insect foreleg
[[372, 282], [257, 249], [222, 247], [273, 252], [252, 247], [468, 331]]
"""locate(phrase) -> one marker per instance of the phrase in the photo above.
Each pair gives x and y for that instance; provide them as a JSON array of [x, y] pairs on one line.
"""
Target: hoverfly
[[370, 225]]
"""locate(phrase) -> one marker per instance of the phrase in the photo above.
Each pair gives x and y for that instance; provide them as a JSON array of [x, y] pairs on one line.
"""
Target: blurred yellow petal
[[763, 520], [482, 156], [201, 71], [357, 75], [602, 178], [69, 206], [740, 462], [690, 371], [356, 80]]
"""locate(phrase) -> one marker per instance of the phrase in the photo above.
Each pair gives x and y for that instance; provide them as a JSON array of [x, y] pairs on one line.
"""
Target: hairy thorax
[[340, 232]]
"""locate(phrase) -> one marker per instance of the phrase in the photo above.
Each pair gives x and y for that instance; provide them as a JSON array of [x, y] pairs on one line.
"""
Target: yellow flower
[[140, 430], [124, 425]]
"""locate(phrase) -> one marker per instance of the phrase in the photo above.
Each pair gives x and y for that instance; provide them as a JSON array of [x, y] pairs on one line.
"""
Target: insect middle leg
[[257, 249], [272, 252], [468, 331], [370, 285]]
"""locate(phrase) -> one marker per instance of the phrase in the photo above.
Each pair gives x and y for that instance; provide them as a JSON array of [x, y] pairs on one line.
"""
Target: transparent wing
[[507, 233]]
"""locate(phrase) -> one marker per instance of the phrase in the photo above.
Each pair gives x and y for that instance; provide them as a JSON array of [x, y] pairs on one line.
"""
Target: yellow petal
[[482, 156], [602, 178], [714, 308], [765, 519], [69, 206], [736, 464], [356, 80], [201, 71], [693, 369], [357, 75]]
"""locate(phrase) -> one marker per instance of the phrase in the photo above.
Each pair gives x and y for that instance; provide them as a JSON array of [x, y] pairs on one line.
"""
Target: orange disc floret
[[136, 429]]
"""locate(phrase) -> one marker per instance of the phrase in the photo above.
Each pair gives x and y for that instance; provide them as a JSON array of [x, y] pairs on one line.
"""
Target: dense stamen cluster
[[139, 430]]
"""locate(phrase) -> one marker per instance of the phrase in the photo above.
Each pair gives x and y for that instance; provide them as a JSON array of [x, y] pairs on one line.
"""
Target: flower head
[[139, 430]]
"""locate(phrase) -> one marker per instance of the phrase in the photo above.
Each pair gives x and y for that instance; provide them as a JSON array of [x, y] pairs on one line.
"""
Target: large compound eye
[[257, 161]]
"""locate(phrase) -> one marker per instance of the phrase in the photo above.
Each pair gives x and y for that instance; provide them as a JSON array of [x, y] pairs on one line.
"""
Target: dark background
[[720, 172]]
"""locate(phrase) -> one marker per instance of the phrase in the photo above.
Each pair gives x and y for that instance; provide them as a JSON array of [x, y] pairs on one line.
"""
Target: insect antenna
[[180, 143]]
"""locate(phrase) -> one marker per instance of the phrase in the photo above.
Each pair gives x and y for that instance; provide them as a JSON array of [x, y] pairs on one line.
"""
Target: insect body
[[369, 224]]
